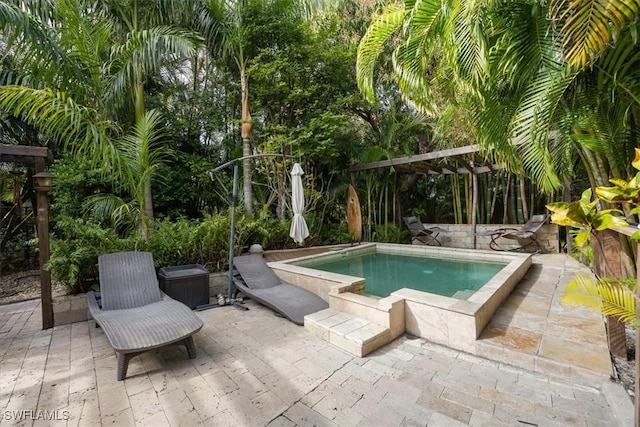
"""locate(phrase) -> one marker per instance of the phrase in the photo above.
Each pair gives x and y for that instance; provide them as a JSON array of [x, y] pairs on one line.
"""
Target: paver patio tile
[[441, 420], [113, 401], [382, 417], [472, 401], [446, 407], [411, 410], [410, 392], [84, 408], [282, 421], [137, 384], [525, 418], [123, 418], [183, 419], [482, 419], [348, 417]]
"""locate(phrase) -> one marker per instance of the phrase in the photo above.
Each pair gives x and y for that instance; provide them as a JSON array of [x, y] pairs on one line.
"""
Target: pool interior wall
[[444, 320]]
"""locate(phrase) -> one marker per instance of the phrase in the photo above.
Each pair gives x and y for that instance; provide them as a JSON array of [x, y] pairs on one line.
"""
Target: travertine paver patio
[[254, 368]]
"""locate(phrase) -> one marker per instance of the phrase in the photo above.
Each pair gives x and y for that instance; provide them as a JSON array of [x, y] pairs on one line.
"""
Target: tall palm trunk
[[523, 198], [147, 199], [246, 128]]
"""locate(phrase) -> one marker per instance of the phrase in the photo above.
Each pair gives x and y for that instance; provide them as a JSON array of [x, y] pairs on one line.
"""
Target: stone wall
[[461, 236]]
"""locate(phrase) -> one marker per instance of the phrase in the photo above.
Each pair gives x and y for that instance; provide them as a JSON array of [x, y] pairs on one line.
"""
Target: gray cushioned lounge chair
[[134, 314], [261, 284], [525, 236]]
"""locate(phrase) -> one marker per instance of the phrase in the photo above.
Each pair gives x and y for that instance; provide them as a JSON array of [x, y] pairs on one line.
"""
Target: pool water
[[386, 273]]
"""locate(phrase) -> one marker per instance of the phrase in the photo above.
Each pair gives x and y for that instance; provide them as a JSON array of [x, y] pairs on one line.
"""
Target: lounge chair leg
[[191, 347], [123, 364]]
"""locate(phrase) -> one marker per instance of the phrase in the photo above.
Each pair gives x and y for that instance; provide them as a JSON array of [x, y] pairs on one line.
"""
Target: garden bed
[[24, 285]]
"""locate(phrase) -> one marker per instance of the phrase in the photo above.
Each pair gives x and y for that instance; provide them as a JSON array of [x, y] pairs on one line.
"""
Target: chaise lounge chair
[[428, 236], [260, 283], [526, 236], [134, 314]]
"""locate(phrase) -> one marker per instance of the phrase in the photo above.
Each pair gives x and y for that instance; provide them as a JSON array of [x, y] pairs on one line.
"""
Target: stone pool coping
[[444, 320]]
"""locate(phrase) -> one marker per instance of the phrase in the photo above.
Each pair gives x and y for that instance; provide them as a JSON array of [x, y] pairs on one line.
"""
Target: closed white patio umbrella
[[299, 230]]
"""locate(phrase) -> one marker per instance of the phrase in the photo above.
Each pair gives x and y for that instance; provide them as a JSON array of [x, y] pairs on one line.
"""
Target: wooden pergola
[[459, 160], [38, 158]]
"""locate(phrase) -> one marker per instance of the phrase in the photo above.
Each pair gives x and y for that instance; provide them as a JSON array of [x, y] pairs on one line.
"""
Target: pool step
[[351, 333]]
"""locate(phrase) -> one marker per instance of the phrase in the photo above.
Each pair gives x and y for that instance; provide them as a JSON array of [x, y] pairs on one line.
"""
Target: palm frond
[[35, 46], [382, 27], [533, 122], [412, 76], [143, 53], [470, 38], [589, 26], [54, 114], [611, 297]]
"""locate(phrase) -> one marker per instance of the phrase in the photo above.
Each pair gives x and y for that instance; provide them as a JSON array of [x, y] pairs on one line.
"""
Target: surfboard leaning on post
[[354, 215]]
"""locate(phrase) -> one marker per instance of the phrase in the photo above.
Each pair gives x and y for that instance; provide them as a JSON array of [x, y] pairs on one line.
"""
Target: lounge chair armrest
[[519, 234], [437, 230], [93, 303], [503, 230]]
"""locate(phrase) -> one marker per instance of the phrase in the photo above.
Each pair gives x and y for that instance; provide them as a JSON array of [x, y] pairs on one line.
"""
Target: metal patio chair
[[525, 236], [426, 235]]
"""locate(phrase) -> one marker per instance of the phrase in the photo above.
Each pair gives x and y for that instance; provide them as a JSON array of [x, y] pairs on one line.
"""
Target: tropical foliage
[[544, 85], [136, 101], [612, 296]]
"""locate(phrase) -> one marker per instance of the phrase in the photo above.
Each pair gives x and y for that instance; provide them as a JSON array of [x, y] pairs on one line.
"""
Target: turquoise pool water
[[386, 273]]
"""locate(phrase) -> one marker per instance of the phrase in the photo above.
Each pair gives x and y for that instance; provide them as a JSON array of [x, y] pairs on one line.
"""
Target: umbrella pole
[[234, 197], [234, 202], [230, 288]]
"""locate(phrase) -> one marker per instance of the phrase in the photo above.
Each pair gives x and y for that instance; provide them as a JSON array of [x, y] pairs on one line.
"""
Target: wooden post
[[474, 207], [606, 256], [42, 221]]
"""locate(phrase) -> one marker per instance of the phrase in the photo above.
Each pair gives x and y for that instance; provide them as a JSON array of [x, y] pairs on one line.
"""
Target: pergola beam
[[22, 154], [444, 169], [434, 155]]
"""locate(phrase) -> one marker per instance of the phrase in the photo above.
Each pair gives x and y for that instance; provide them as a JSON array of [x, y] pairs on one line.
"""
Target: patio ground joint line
[[309, 392]]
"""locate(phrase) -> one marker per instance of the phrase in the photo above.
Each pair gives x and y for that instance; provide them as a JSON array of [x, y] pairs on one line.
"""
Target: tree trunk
[[494, 199], [606, 256], [282, 199], [147, 202], [148, 208], [523, 198], [505, 199], [246, 128], [407, 184]]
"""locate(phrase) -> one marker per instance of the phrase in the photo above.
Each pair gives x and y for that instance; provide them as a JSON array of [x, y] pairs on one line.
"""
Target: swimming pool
[[385, 273], [454, 322]]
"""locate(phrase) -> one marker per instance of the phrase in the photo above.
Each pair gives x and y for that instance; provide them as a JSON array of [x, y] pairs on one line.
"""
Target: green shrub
[[335, 234], [75, 249], [78, 243], [390, 233]]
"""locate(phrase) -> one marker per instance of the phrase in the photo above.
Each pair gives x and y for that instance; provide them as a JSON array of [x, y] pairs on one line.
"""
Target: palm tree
[[81, 80], [230, 29]]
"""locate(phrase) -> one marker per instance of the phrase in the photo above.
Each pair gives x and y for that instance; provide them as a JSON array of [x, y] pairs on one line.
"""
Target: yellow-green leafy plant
[[611, 296]]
